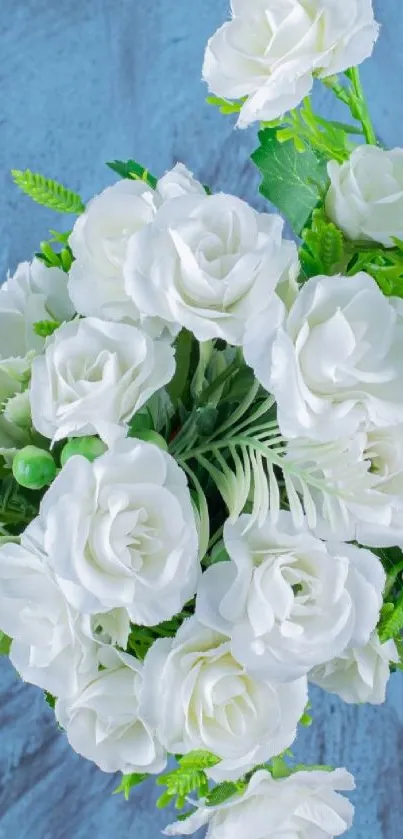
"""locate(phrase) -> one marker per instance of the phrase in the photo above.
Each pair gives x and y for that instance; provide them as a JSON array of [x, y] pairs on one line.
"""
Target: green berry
[[150, 436], [34, 468], [88, 447]]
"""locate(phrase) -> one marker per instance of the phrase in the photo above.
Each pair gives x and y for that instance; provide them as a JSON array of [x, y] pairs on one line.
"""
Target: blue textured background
[[81, 83]]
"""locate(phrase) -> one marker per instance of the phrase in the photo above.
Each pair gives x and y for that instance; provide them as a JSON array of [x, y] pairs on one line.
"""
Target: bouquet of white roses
[[201, 478]]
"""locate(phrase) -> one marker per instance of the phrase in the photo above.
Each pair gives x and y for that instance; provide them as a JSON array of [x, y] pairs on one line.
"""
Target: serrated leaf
[[292, 181], [48, 192], [132, 169], [222, 792], [199, 759]]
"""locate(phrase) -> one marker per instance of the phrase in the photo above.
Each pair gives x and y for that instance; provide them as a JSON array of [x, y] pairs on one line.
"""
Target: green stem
[[363, 110]]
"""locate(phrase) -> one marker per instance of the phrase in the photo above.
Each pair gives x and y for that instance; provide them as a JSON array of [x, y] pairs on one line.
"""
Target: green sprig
[[48, 192]]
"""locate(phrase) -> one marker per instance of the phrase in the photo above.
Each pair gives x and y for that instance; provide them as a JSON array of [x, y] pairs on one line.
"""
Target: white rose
[[359, 675], [287, 599], [207, 263], [365, 198], [32, 294], [120, 532], [334, 360], [93, 376], [52, 646], [307, 805], [197, 696], [178, 181], [99, 244], [271, 49], [100, 238], [103, 723], [362, 480]]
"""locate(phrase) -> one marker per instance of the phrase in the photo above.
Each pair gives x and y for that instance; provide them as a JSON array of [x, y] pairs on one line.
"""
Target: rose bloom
[[359, 675], [365, 197], [333, 361], [207, 263], [53, 646], [103, 723], [197, 696], [270, 51], [93, 376], [120, 532], [288, 599], [100, 238], [32, 294], [307, 805], [362, 480]]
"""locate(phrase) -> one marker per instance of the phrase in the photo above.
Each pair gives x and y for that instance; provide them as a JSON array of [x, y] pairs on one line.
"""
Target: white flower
[[207, 263], [177, 182], [103, 723], [334, 360], [271, 49], [120, 532], [307, 805], [32, 294], [197, 696], [287, 599], [52, 645], [93, 376], [100, 238], [99, 244], [365, 198], [362, 479], [360, 674]]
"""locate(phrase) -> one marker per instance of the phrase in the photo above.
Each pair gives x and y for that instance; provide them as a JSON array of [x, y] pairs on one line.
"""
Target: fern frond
[[255, 469], [47, 192]]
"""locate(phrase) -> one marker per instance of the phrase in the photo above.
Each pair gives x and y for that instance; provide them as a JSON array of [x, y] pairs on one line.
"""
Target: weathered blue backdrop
[[81, 83]]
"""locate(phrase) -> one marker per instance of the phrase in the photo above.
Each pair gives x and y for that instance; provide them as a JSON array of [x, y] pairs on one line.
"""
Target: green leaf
[[50, 700], [5, 643], [199, 759], [323, 249], [292, 181], [15, 507], [225, 105], [132, 169], [279, 768], [183, 349], [222, 792], [44, 328], [128, 782], [47, 192], [391, 621]]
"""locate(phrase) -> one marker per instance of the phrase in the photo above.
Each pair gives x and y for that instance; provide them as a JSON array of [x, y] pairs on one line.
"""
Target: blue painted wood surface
[[81, 83]]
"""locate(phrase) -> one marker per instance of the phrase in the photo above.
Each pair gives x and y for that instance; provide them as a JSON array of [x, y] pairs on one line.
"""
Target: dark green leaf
[[222, 792], [132, 169], [292, 181], [51, 700], [183, 349]]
